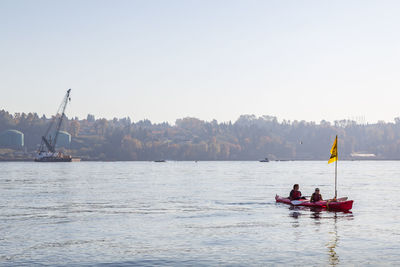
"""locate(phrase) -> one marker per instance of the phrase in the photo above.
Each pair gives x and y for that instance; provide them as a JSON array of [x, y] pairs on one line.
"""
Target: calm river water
[[188, 213]]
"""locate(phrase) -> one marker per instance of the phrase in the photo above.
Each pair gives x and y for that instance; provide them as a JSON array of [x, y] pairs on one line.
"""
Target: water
[[187, 213]]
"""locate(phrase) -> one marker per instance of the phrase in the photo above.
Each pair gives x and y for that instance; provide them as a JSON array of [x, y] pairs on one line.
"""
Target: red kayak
[[326, 204]]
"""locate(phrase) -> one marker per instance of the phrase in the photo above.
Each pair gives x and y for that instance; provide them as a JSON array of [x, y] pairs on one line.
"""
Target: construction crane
[[47, 142]]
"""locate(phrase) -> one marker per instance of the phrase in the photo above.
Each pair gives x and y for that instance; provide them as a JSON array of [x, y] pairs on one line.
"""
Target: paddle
[[296, 202], [299, 202]]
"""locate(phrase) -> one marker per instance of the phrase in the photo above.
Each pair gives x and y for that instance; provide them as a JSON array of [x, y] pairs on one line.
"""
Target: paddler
[[316, 196], [295, 194]]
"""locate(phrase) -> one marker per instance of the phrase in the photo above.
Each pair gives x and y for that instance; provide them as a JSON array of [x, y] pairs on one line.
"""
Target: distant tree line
[[248, 138]]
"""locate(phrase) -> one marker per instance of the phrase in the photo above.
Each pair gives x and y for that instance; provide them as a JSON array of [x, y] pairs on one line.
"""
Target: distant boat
[[264, 160], [160, 160], [47, 151]]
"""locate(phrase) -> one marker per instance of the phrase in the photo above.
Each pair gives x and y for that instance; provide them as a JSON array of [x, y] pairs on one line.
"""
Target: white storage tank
[[12, 139], [63, 139]]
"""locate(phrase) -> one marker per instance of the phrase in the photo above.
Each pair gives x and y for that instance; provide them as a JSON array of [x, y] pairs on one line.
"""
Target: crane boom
[[64, 106], [51, 144]]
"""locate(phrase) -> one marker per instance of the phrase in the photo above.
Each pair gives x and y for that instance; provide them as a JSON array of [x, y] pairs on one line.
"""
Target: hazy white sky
[[164, 60]]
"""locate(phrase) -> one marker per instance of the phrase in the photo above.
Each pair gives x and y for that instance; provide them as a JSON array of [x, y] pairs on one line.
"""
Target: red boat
[[340, 205]]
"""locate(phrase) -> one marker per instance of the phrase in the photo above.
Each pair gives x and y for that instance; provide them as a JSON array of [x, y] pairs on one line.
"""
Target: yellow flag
[[333, 152]]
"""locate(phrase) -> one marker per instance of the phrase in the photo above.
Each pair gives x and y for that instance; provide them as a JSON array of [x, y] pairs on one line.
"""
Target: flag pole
[[334, 158], [336, 170]]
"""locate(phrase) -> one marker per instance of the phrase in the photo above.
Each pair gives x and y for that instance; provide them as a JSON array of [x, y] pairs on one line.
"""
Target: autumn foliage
[[248, 138]]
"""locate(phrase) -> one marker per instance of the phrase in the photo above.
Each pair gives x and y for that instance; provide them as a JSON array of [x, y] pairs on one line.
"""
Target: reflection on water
[[316, 215], [321, 218], [331, 245], [295, 213], [333, 217]]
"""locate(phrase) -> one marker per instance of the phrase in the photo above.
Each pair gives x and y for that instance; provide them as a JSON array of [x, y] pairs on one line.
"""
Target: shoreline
[[282, 160]]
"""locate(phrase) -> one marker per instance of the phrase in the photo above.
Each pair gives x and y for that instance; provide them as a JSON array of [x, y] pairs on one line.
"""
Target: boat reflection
[[318, 214], [295, 211], [295, 214], [331, 245]]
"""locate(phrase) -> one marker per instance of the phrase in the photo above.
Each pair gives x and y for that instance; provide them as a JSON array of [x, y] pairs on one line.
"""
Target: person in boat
[[316, 196], [295, 194]]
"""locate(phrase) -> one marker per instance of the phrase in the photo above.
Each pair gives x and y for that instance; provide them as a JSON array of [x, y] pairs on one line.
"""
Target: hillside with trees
[[248, 138]]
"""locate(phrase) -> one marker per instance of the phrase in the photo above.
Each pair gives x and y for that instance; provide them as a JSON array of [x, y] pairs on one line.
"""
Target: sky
[[164, 60]]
